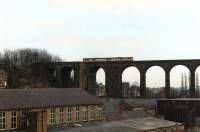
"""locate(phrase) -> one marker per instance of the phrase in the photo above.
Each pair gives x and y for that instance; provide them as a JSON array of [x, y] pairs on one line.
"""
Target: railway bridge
[[84, 73]]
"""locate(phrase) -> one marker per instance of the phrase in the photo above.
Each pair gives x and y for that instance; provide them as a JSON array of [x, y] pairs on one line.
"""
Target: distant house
[[125, 90], [36, 110]]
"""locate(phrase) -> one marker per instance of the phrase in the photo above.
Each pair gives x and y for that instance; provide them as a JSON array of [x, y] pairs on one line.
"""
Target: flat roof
[[182, 99], [39, 98], [140, 102], [146, 123], [132, 125]]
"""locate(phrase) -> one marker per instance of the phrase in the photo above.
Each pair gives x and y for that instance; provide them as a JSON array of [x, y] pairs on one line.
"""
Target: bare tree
[[27, 64]]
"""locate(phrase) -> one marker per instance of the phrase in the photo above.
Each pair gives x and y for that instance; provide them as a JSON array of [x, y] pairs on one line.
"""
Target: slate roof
[[134, 103], [39, 98]]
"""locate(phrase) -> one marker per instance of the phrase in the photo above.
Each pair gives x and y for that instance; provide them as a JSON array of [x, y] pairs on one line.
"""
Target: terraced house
[[36, 110]]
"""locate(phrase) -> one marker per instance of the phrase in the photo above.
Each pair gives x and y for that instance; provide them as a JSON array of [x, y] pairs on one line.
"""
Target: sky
[[74, 29]]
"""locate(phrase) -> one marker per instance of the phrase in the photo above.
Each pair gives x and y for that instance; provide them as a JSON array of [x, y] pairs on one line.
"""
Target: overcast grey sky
[[73, 29]]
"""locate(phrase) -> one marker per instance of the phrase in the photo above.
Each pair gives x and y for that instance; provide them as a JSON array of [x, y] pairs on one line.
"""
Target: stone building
[[148, 105], [184, 110], [3, 79], [36, 110], [125, 90]]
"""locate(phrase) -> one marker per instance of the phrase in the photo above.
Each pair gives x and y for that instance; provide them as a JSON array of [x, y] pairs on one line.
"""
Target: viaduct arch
[[85, 74]]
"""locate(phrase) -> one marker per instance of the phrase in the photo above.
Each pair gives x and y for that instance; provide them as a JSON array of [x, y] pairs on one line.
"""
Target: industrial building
[[184, 110], [36, 110]]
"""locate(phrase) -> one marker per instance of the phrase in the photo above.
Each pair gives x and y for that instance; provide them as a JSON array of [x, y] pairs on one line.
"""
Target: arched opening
[[54, 73], [100, 82], [67, 77], [179, 81], [131, 82], [72, 75], [197, 83], [155, 82], [53, 81], [3, 79]]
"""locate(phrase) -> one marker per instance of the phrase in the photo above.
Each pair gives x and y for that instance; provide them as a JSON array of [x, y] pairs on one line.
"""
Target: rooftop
[[39, 98], [132, 125], [183, 99], [140, 102]]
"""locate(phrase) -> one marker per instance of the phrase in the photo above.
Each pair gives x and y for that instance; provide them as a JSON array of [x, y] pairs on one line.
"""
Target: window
[[24, 119], [55, 73], [99, 113], [2, 120], [14, 120], [69, 115], [77, 113], [5, 83], [61, 115], [53, 116], [92, 113], [85, 114]]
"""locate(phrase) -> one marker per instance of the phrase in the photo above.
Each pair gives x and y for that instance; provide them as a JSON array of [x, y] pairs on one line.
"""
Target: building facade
[[59, 117], [184, 110], [39, 110]]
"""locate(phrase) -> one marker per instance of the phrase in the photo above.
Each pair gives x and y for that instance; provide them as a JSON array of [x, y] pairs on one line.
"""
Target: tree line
[[27, 57], [26, 67]]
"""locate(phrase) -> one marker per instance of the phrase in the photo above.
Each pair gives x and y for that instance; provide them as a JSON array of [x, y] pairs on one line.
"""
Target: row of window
[[69, 111], [85, 113], [3, 120], [3, 83]]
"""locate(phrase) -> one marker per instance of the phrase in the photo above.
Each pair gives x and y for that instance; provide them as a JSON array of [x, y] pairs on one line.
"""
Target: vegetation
[[26, 57], [24, 67]]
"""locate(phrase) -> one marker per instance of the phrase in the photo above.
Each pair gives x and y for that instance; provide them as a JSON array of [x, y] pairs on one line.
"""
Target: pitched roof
[[38, 98]]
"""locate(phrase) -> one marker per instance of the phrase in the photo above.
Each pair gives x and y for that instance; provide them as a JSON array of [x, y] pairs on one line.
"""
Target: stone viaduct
[[85, 74]]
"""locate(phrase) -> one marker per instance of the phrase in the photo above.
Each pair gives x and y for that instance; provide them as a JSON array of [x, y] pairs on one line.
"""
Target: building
[[130, 91], [184, 110], [3, 79], [100, 90], [147, 124], [36, 110], [123, 109], [148, 105], [125, 89]]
